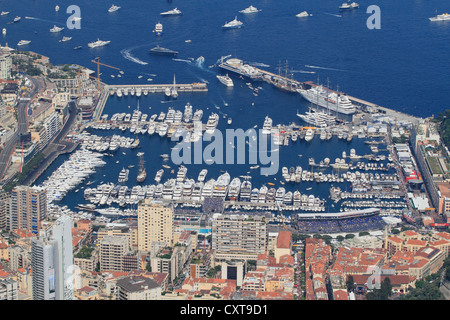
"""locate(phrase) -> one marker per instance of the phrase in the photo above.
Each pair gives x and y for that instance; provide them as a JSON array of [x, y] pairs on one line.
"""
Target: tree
[[384, 293], [349, 236], [340, 238], [425, 291]]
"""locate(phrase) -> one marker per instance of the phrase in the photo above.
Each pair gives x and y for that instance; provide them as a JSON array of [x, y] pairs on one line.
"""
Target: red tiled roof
[[284, 239]]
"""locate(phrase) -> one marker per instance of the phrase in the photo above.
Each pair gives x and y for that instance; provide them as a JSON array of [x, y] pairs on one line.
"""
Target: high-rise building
[[155, 224], [28, 208], [238, 236], [5, 63], [52, 262], [112, 252], [4, 210]]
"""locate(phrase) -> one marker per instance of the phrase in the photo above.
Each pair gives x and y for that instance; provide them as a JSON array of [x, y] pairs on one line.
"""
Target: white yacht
[[158, 29], [4, 13], [318, 118], [226, 80], [23, 42], [245, 191], [113, 8], [56, 29], [123, 175], [221, 186], [16, 19], [4, 31], [98, 43], [440, 17], [212, 123], [267, 126], [56, 8], [250, 9], [202, 175], [348, 6], [65, 39], [302, 14], [233, 24], [172, 12], [162, 131], [159, 175], [309, 134]]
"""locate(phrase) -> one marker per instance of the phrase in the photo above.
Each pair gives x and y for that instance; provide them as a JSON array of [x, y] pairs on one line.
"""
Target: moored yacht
[[233, 24]]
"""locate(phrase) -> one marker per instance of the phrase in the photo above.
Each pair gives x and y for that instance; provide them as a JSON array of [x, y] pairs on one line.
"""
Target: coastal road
[[22, 108], [56, 147]]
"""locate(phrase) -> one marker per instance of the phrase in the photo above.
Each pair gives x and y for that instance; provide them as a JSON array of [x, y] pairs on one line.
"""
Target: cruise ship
[[328, 99], [233, 24], [173, 12], [23, 42], [158, 29], [237, 66], [267, 126], [226, 80], [440, 17], [318, 118], [250, 9], [56, 29], [98, 43], [163, 51], [212, 123]]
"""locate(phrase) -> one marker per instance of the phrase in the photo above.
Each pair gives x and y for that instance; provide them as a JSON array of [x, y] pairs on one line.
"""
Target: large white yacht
[[56, 29], [233, 24], [440, 17], [226, 80], [98, 43], [172, 12], [250, 9]]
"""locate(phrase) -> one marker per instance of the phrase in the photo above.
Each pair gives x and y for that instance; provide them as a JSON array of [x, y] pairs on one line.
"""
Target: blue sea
[[403, 66]]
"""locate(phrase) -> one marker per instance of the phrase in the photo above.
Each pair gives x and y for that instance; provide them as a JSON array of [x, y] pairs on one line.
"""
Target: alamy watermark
[[253, 147], [374, 21]]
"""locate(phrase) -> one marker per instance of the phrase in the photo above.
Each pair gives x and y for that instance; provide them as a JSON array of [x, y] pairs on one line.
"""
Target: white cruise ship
[[56, 29], [233, 24], [328, 99], [226, 80], [250, 9], [172, 12], [221, 186], [98, 43], [440, 17]]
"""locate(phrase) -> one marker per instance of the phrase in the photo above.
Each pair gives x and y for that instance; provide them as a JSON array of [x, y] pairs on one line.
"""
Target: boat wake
[[259, 64], [302, 71], [324, 68], [335, 15], [126, 53], [182, 60]]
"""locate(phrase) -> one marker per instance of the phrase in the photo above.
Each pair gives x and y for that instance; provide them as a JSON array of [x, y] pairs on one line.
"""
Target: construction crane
[[97, 61]]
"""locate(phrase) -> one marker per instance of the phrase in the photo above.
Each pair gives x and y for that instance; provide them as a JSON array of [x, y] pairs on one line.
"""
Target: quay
[[156, 88]]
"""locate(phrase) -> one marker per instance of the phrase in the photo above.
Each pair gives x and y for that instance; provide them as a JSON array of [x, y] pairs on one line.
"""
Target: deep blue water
[[403, 66]]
